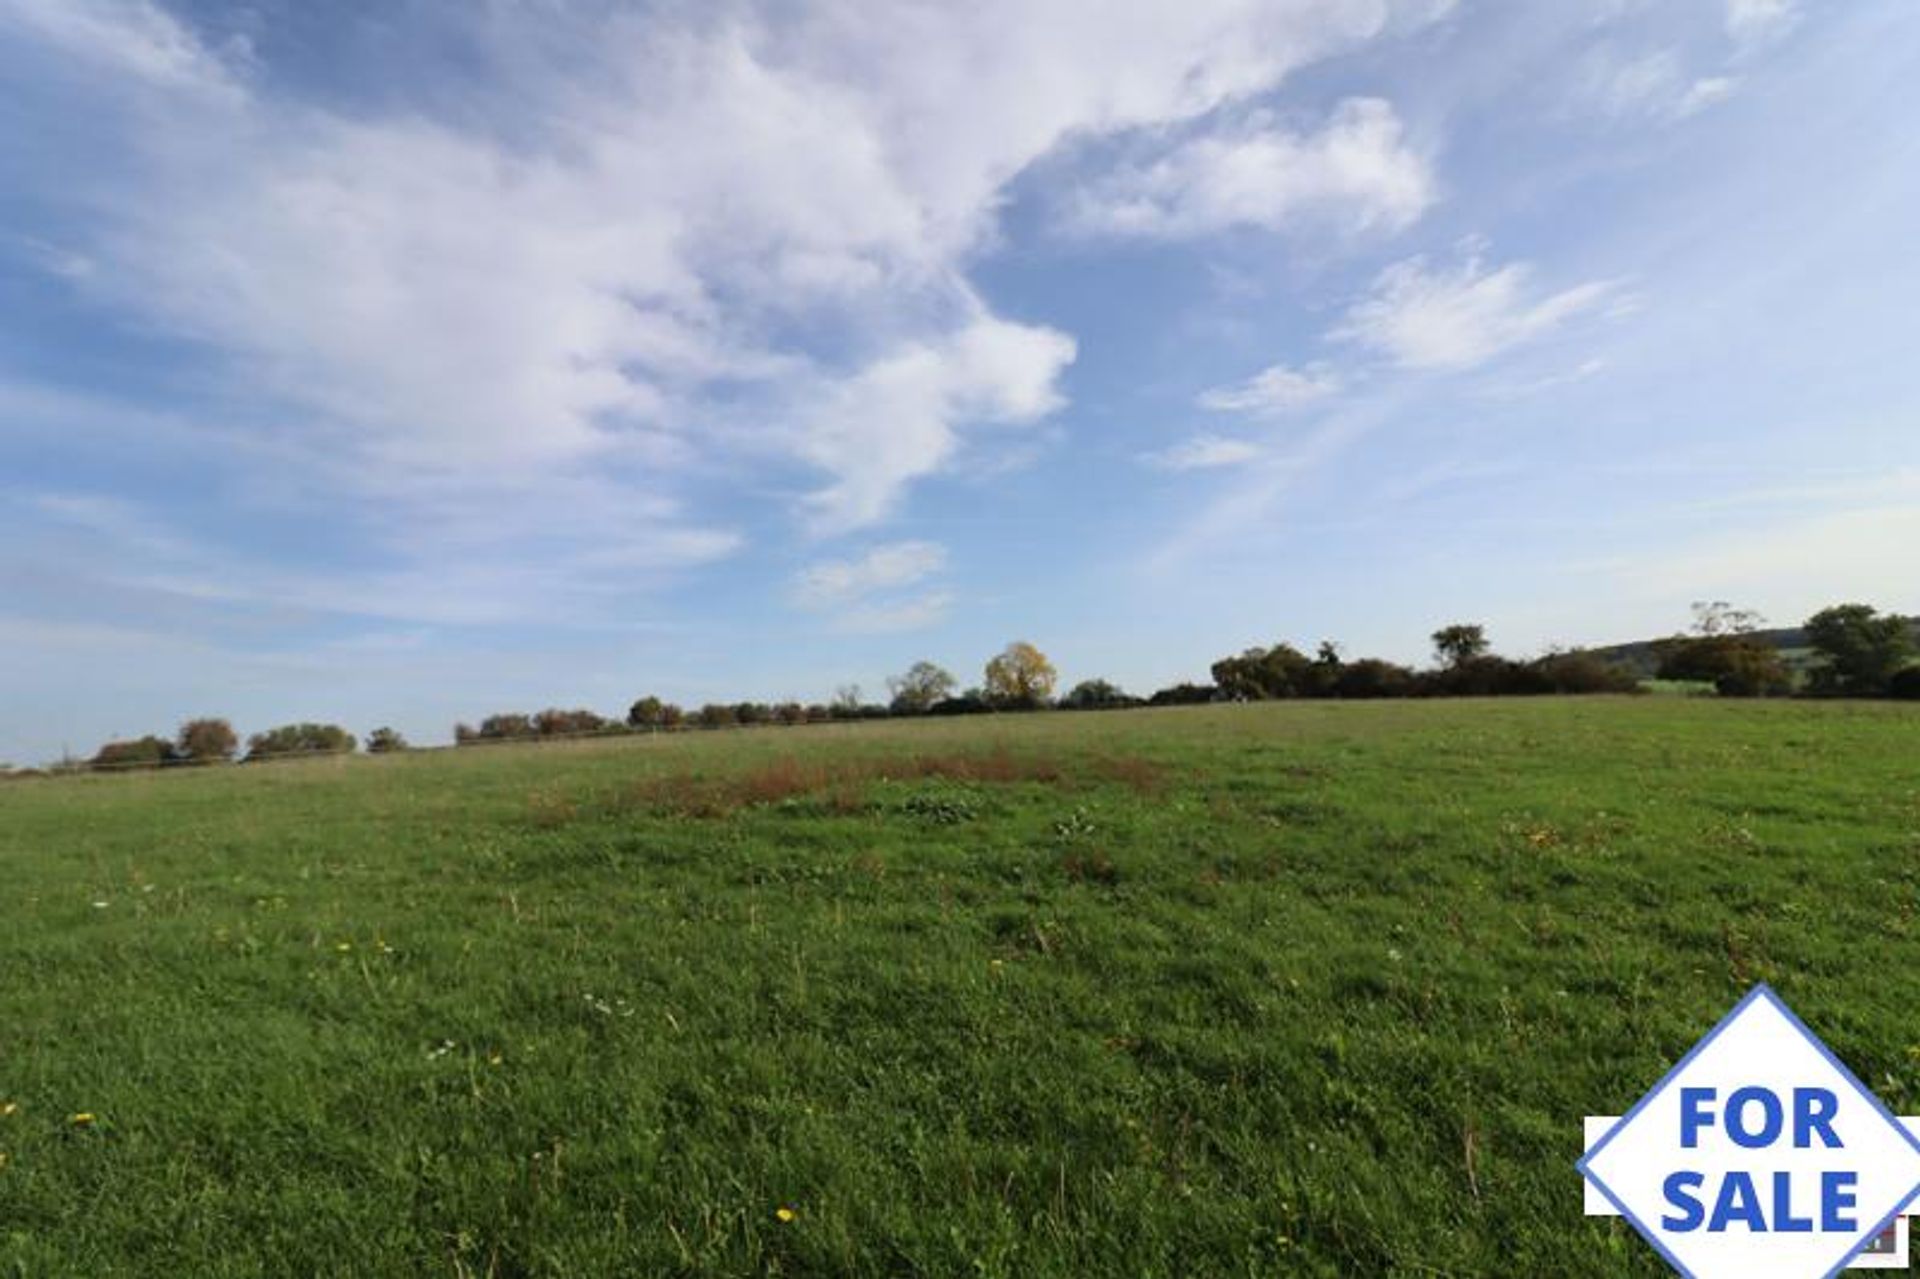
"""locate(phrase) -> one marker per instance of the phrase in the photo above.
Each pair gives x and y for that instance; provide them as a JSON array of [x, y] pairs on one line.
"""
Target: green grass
[[1295, 989]]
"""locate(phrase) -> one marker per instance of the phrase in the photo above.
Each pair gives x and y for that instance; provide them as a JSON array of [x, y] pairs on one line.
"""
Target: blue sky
[[396, 363]]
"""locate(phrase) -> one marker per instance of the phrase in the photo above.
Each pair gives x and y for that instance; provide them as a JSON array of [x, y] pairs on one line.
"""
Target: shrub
[[1261, 674], [384, 741], [207, 741], [1579, 672], [300, 739], [1905, 684], [143, 752], [1739, 665], [1096, 695], [1372, 677], [553, 722], [1185, 695]]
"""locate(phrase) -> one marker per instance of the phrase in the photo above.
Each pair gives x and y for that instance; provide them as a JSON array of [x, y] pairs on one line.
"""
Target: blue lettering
[[1738, 1201], [1813, 1111], [1834, 1200], [1677, 1186], [1770, 1112], [1783, 1219], [1693, 1115]]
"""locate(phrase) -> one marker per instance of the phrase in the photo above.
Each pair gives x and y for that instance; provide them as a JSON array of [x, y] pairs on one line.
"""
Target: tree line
[[1851, 650]]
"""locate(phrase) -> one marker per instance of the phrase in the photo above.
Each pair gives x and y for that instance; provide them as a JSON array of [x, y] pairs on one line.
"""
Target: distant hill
[[1639, 655]]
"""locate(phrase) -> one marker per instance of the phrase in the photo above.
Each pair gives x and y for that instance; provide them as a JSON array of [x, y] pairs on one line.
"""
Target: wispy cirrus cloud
[[1204, 453], [1437, 318], [1275, 390]]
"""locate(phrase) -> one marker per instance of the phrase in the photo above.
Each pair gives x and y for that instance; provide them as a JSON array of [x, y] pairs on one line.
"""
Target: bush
[[207, 741], [1185, 695], [1262, 674], [300, 739], [143, 752], [384, 741], [1372, 677], [553, 722], [1738, 665], [1096, 695], [1579, 672], [1905, 684]]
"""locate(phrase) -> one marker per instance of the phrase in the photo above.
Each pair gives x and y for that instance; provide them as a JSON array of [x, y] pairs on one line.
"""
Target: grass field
[[1299, 988]]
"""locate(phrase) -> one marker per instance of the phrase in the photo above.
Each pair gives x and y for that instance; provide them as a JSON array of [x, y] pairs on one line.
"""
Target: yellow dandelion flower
[[785, 1214], [9, 1109], [82, 1120], [343, 947], [3, 1159]]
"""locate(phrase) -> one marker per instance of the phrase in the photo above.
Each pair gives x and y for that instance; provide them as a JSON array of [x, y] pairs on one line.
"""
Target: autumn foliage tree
[[1020, 677], [207, 741]]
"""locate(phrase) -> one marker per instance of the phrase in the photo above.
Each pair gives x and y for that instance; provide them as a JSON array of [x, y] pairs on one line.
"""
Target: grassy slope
[[1329, 997]]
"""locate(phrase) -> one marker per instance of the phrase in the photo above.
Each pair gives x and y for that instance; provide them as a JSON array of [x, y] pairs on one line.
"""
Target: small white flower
[[100, 905]]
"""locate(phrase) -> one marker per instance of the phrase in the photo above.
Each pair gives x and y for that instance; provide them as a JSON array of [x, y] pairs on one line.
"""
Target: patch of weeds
[[1074, 827], [945, 807]]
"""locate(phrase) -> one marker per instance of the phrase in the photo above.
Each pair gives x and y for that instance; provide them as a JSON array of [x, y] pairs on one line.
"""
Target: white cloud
[[894, 420], [834, 584], [1755, 22], [1654, 85], [1357, 173], [1203, 452], [698, 237], [1273, 391], [1432, 318]]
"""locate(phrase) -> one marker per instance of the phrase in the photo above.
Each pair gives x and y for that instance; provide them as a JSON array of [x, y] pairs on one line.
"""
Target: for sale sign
[[1760, 1154]]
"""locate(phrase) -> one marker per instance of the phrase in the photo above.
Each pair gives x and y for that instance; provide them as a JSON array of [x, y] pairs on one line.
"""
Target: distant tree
[[1371, 677], [1717, 617], [1582, 672], [646, 713], [385, 741], [1861, 648], [143, 752], [1905, 684], [919, 688], [751, 713], [506, 727], [1459, 643], [819, 713], [1736, 663], [671, 716], [465, 734], [207, 741], [1185, 695], [1261, 674], [790, 713], [1096, 695], [715, 715], [300, 739], [554, 722], [1021, 677]]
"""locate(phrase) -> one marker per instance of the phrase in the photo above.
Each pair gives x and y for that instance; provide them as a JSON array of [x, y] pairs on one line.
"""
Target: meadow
[[1301, 988]]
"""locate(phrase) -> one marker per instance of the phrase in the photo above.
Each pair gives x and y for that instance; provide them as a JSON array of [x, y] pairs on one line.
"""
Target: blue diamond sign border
[[1761, 991]]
